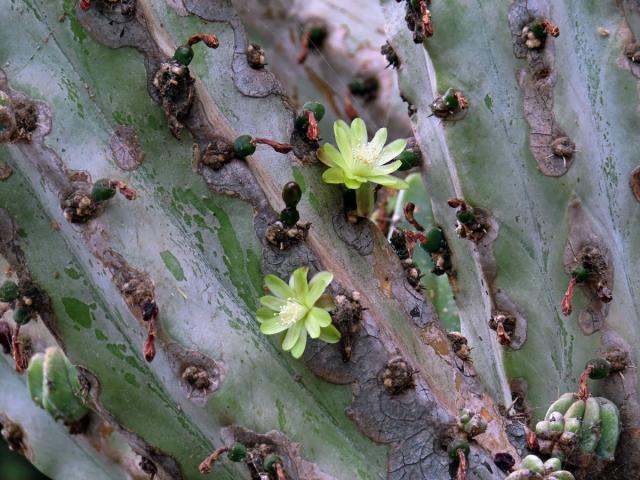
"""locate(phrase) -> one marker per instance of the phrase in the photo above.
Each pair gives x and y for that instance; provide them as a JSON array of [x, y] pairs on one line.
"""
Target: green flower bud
[[302, 121], [21, 316], [543, 429], [9, 291], [243, 146], [237, 452], [102, 191], [35, 378], [581, 274], [183, 54], [458, 444], [450, 99], [291, 194], [289, 217], [466, 217], [409, 160], [552, 465], [600, 368], [533, 463], [269, 463], [435, 241]]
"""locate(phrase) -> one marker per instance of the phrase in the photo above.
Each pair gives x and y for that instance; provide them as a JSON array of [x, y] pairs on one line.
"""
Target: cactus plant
[[523, 115]]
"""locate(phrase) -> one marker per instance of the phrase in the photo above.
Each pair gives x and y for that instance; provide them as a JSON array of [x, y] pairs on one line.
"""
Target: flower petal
[[358, 132], [292, 335], [325, 302], [390, 181], [273, 326], [330, 334], [274, 303], [378, 141], [264, 314], [320, 316], [392, 150], [312, 326], [298, 349], [278, 287], [330, 156], [298, 282], [351, 183], [386, 169], [317, 286], [333, 175], [342, 133]]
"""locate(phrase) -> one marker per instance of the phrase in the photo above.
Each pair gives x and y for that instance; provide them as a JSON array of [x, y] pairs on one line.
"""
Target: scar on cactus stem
[[255, 56], [391, 55], [298, 307], [307, 121], [398, 242], [245, 145], [80, 206], [535, 33], [397, 376], [287, 232], [632, 52], [347, 318], [451, 105], [590, 271], [564, 148], [418, 18], [504, 324], [460, 346], [148, 467], [174, 84], [216, 155], [359, 164], [313, 36]]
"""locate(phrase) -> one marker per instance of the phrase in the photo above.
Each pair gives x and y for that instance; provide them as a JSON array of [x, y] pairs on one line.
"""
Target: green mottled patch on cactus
[[78, 311], [173, 265]]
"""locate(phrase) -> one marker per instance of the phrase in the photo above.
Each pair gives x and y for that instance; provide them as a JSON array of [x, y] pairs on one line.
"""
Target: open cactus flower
[[299, 307], [359, 163]]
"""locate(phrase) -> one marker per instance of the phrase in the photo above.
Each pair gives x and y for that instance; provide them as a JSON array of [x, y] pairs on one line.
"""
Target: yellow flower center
[[291, 312], [364, 153]]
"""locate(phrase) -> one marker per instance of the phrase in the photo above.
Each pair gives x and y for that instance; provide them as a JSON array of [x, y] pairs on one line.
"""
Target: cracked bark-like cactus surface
[[153, 294]]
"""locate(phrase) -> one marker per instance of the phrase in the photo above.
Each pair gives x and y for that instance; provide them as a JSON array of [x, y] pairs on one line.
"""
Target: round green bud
[[291, 194], [543, 429], [581, 274], [270, 461], [466, 217], [537, 29], [21, 316], [435, 241], [102, 191], [552, 465], [357, 87], [408, 159], [237, 452], [458, 444], [183, 54], [533, 463], [9, 291], [243, 146], [600, 368], [316, 107], [289, 217], [450, 99], [317, 35]]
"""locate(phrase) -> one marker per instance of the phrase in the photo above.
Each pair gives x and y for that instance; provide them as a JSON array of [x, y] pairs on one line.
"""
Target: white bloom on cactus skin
[[359, 161], [299, 308]]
